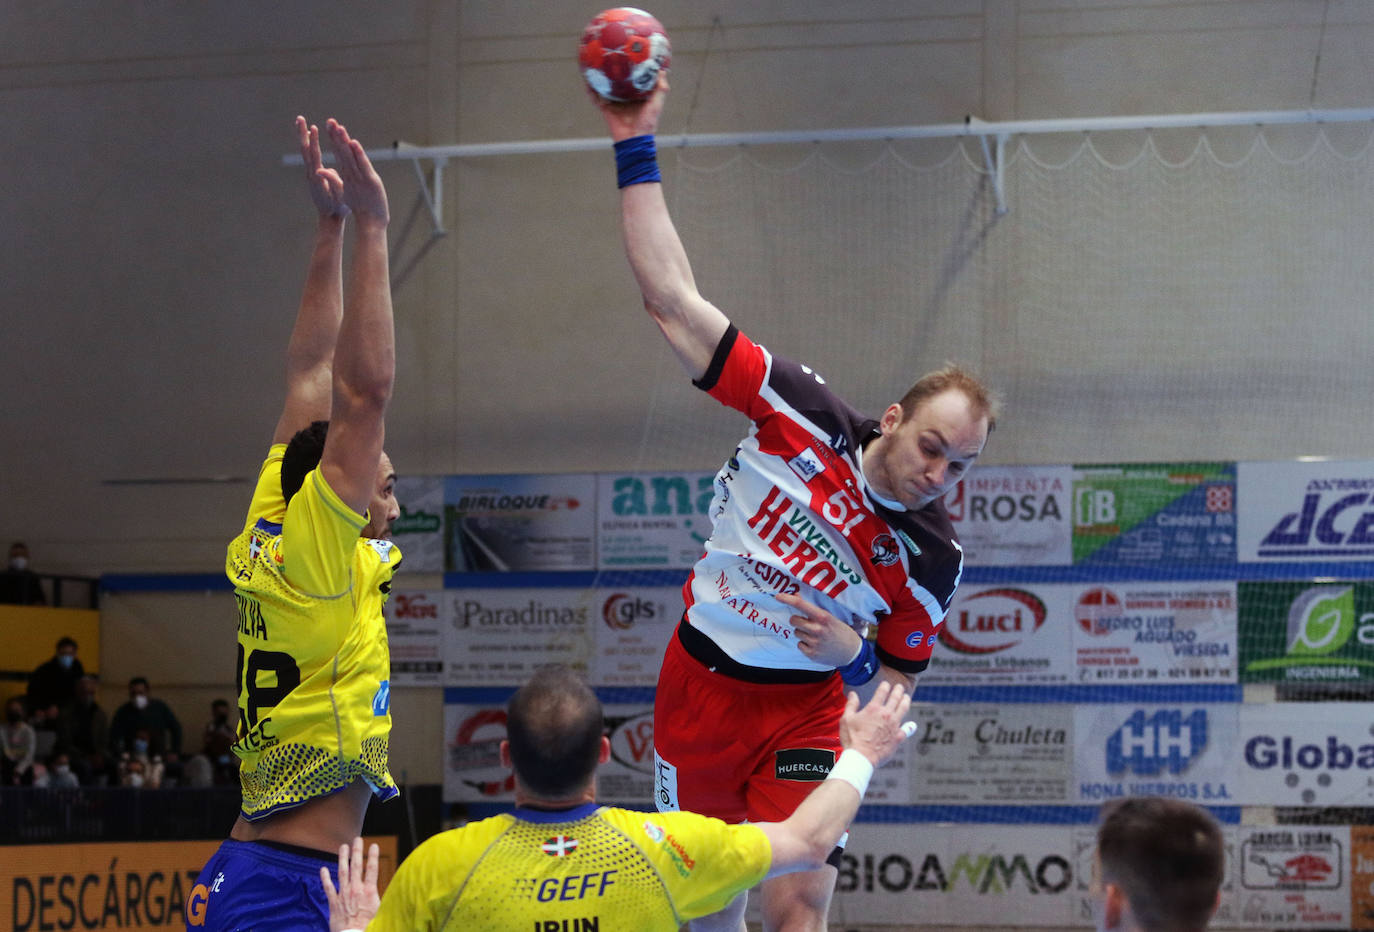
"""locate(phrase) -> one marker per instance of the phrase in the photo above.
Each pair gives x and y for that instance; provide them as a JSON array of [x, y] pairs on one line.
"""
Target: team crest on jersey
[[559, 846], [383, 548], [885, 551], [806, 464], [653, 831]]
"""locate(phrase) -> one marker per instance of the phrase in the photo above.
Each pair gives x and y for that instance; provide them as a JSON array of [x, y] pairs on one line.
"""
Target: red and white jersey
[[793, 513]]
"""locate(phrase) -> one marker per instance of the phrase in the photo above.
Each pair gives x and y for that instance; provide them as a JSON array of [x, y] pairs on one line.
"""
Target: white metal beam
[[971, 126]]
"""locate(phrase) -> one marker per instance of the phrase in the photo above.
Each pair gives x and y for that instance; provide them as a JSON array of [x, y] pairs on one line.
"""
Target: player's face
[[925, 454], [383, 509]]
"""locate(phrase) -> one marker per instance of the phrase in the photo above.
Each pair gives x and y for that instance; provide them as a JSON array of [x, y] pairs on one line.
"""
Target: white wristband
[[853, 768]]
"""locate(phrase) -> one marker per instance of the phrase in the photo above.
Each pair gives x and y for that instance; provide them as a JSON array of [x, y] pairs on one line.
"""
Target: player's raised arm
[[871, 736], [365, 356], [692, 325], [310, 354]]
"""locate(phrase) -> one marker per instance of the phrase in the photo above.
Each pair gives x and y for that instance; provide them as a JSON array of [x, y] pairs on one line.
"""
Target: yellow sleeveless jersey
[[313, 666], [582, 869]]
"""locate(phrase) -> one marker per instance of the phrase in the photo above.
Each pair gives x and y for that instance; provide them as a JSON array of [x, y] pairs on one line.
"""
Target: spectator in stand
[[60, 774], [20, 585], [147, 766], [18, 743], [131, 773], [53, 683], [218, 742], [143, 712], [83, 733]]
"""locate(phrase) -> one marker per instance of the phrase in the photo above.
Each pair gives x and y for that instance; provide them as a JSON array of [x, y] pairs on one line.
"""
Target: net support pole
[[971, 126], [995, 163]]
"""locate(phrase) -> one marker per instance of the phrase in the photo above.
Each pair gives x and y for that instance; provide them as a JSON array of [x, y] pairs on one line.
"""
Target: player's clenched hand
[[876, 731], [363, 191], [353, 905], [625, 119], [820, 635]]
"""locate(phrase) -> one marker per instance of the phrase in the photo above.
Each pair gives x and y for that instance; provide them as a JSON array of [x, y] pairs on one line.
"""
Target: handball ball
[[623, 50]]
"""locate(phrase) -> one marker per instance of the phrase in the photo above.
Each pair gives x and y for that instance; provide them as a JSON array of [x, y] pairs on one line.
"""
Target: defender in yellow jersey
[[311, 568], [313, 667], [562, 862]]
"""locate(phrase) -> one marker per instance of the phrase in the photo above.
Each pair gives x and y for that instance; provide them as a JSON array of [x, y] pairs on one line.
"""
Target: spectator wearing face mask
[[18, 744], [52, 684], [60, 774], [144, 713], [20, 585]]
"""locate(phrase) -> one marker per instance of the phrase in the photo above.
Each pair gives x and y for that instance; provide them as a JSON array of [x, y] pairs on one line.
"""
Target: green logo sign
[[1296, 632]]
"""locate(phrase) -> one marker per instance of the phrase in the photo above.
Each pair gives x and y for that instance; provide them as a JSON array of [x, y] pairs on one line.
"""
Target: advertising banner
[[117, 885], [1154, 513], [1182, 751], [989, 755], [415, 626], [1014, 515], [472, 762], [1362, 877], [1293, 877], [1155, 633], [419, 531], [498, 637], [1004, 635], [1306, 632], [1148, 634], [956, 875], [1306, 754], [1298, 511], [652, 520], [631, 629], [519, 523]]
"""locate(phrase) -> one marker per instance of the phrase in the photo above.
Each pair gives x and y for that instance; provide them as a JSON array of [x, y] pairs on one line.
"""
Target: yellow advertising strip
[[132, 885]]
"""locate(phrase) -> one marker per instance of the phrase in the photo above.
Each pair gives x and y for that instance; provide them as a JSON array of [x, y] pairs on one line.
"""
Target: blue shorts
[[249, 886]]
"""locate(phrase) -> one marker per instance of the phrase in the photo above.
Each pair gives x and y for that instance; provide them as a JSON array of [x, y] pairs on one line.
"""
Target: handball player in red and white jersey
[[825, 523]]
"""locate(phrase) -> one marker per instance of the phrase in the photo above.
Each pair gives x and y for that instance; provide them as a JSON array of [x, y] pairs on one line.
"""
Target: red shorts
[[737, 750]]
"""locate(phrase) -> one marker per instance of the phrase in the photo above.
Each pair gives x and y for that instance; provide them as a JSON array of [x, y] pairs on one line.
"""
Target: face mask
[[19, 564], [62, 770], [140, 702], [66, 660], [140, 746], [135, 779]]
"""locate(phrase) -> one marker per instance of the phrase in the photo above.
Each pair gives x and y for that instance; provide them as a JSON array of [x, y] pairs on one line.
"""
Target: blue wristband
[[636, 161], [863, 667]]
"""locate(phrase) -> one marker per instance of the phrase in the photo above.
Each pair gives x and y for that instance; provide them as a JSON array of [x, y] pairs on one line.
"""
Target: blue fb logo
[[1149, 745], [381, 701]]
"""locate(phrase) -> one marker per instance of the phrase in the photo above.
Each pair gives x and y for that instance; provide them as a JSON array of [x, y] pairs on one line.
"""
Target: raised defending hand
[[363, 191], [353, 905], [876, 731], [326, 188], [633, 118], [820, 635]]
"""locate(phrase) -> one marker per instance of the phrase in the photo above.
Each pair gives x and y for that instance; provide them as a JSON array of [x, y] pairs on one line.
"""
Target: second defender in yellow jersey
[[589, 867], [562, 863], [313, 665]]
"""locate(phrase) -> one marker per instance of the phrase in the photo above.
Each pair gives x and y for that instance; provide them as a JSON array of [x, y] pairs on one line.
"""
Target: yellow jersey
[[587, 869], [313, 669]]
